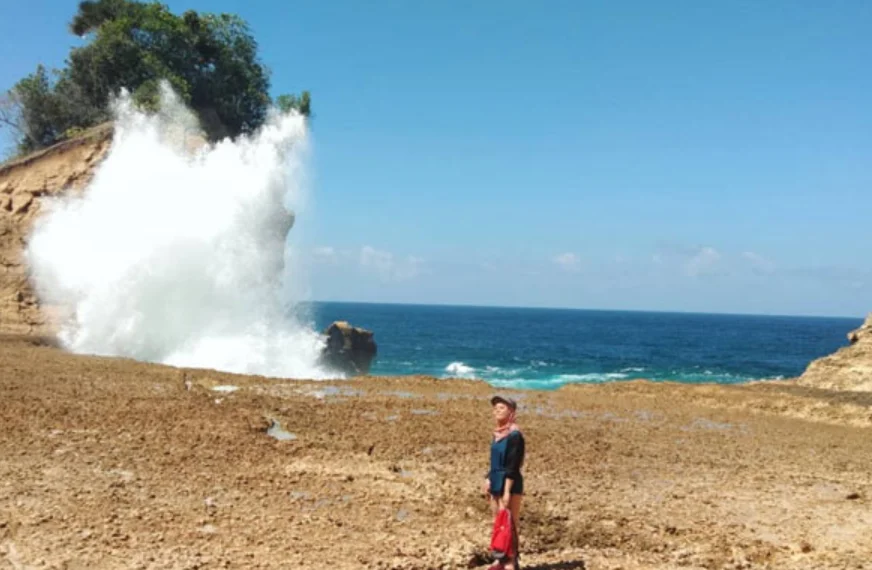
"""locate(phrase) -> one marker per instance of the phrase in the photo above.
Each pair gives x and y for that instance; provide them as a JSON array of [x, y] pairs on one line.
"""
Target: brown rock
[[865, 331], [349, 349], [20, 202], [24, 182], [849, 368], [73, 426]]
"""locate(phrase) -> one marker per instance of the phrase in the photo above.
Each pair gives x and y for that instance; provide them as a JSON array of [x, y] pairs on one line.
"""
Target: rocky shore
[[849, 368], [112, 463]]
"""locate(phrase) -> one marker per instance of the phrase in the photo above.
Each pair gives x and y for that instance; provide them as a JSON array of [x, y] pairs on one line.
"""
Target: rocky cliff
[[24, 183], [849, 368]]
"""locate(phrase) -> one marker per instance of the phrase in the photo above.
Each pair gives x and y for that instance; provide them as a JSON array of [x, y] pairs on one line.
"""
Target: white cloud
[[409, 268], [567, 261], [377, 259], [707, 261], [387, 266], [758, 263], [324, 253], [703, 262]]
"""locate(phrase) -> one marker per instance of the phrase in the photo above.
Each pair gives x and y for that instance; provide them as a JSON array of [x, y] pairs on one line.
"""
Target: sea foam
[[176, 252]]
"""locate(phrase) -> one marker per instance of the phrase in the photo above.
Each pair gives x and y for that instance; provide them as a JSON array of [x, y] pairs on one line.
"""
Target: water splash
[[460, 370], [176, 252]]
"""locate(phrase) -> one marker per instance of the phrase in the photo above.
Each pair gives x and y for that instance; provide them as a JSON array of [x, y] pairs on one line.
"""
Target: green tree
[[301, 103], [44, 107], [29, 109], [210, 60], [92, 14]]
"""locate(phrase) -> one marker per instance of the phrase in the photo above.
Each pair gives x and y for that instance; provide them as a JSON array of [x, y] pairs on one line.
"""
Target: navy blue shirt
[[506, 460]]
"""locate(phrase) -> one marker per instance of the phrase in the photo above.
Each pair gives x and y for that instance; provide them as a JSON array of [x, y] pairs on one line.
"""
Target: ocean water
[[547, 348]]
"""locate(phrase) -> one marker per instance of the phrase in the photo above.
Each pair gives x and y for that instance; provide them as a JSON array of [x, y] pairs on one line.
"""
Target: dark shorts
[[498, 482]]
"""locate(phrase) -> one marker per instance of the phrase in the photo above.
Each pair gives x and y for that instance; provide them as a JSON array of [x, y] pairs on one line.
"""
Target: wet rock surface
[[110, 463]]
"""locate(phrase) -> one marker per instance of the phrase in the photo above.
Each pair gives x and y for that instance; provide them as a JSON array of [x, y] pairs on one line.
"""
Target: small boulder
[[348, 349], [865, 331]]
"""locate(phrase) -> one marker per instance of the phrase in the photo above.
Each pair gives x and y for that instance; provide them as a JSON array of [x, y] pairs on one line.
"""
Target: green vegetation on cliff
[[210, 60]]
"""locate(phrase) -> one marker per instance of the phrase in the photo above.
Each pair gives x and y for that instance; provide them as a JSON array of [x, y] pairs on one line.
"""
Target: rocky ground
[[110, 463]]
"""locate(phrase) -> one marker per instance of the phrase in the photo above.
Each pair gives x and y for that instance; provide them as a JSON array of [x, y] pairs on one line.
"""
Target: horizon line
[[557, 308]]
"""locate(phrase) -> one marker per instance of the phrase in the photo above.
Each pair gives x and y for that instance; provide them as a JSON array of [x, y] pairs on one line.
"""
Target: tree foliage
[[44, 107], [210, 60], [302, 103]]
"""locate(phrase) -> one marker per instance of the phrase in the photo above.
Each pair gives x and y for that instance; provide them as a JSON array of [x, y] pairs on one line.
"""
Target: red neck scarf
[[507, 427]]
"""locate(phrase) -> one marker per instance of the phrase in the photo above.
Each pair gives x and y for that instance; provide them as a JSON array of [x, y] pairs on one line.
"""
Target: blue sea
[[547, 348]]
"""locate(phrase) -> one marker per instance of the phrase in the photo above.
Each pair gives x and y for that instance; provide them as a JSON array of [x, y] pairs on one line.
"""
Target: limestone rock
[[349, 349], [24, 182], [20, 202], [849, 368]]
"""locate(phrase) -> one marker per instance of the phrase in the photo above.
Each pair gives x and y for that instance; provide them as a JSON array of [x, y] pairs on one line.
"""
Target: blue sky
[[665, 155]]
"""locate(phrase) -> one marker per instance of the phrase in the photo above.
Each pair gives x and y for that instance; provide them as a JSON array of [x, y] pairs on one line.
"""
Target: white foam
[[177, 256], [460, 370], [589, 377]]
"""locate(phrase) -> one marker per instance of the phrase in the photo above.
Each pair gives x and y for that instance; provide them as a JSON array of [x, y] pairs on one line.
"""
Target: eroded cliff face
[[24, 185], [849, 368]]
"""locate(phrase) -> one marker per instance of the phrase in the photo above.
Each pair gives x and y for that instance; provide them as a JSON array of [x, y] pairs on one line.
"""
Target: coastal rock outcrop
[[849, 368], [24, 184], [349, 349]]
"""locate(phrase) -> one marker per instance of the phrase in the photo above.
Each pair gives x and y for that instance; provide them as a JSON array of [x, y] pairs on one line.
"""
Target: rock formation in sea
[[849, 368], [349, 349]]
